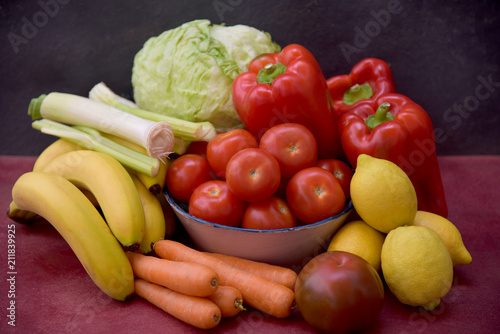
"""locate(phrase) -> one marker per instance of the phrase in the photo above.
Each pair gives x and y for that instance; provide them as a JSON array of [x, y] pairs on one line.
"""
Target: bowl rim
[[177, 208]]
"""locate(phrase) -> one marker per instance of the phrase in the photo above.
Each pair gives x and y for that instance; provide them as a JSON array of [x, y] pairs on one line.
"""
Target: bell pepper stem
[[271, 71], [357, 93], [381, 115]]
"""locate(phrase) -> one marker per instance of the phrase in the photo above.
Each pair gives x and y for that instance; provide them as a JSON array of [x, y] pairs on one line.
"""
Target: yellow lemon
[[417, 266], [382, 194], [448, 232], [357, 237]]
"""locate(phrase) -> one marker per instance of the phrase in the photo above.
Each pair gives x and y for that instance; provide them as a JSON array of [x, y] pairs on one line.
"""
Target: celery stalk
[[93, 140], [180, 146], [190, 131]]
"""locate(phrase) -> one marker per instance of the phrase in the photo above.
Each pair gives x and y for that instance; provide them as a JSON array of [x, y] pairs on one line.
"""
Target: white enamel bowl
[[291, 247]]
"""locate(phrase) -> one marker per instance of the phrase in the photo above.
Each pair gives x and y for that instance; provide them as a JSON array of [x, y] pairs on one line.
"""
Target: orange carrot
[[196, 311], [278, 274], [229, 300], [264, 295], [188, 278]]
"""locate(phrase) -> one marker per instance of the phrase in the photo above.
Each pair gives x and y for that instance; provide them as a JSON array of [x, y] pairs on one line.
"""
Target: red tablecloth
[[53, 293]]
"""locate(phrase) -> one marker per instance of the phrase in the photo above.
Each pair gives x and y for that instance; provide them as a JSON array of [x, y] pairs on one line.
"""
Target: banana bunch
[[69, 184], [63, 205], [155, 183]]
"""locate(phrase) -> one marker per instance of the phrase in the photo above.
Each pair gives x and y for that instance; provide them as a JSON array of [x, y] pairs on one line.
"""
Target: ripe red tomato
[[340, 170], [185, 174], [314, 194], [339, 292], [214, 202], [271, 213], [224, 145], [292, 145], [253, 174], [197, 147]]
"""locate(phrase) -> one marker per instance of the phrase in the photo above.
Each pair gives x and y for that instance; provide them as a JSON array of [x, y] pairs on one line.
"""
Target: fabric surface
[[54, 294]]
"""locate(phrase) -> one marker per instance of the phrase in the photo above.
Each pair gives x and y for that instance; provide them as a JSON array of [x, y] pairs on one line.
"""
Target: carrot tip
[[214, 282]]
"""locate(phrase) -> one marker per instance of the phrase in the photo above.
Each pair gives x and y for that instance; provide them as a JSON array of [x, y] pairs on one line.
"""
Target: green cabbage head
[[187, 72]]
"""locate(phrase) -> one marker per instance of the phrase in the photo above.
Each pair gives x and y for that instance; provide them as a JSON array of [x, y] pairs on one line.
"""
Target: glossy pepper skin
[[402, 133], [372, 71], [288, 87]]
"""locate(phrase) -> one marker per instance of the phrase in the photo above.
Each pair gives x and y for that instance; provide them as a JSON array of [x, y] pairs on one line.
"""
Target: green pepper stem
[[357, 93], [271, 71], [381, 115]]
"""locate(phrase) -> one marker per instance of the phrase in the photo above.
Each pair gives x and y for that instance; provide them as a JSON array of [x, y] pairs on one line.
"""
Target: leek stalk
[[189, 131], [91, 139], [156, 137]]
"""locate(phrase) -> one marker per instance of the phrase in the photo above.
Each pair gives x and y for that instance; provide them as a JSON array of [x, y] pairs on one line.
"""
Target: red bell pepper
[[288, 87], [395, 128], [369, 79]]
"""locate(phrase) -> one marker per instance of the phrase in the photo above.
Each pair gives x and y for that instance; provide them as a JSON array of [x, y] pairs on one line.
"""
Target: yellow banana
[[21, 216], [155, 183], [65, 207], [57, 148], [154, 228], [112, 187], [90, 196], [54, 150]]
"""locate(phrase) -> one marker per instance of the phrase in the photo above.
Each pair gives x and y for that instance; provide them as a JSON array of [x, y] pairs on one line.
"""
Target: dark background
[[445, 55]]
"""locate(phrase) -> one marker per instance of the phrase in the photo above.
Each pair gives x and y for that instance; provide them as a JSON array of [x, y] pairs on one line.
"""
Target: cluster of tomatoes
[[275, 183]]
